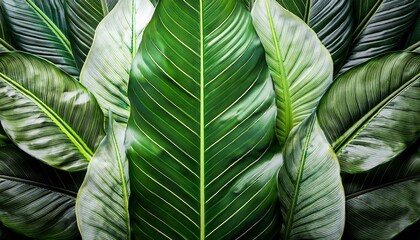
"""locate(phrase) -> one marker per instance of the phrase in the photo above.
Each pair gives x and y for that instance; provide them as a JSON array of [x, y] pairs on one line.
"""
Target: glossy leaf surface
[[47, 113], [371, 113], [310, 191], [201, 131], [103, 197], [35, 199], [39, 27], [299, 82], [106, 73]]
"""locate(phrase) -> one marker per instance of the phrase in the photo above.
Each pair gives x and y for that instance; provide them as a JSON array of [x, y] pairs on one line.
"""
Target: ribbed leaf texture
[[106, 73], [39, 27], [309, 184], [47, 113], [299, 81], [201, 134], [371, 113], [35, 199]]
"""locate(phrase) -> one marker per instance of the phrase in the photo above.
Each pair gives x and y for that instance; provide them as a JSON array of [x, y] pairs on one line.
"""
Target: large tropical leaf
[[387, 198], [380, 26], [301, 70], [5, 36], [201, 131], [106, 73], [83, 16], [39, 27], [310, 190], [35, 199], [103, 197], [47, 113], [372, 112]]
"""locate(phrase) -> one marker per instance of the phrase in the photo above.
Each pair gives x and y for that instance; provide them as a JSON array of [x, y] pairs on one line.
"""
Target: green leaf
[[39, 27], [47, 113], [7, 234], [371, 113], [5, 36], [380, 26], [387, 198], [4, 139], [103, 197], [37, 200], [106, 73], [413, 39], [299, 82], [83, 17], [200, 138], [310, 190]]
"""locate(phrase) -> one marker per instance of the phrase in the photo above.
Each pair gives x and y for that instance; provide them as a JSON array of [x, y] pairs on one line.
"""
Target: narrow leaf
[[103, 197], [47, 113], [310, 190], [39, 27], [299, 81], [371, 113], [106, 73], [37, 200]]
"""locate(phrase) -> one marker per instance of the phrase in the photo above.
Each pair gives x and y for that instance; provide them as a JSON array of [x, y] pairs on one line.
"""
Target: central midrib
[[202, 124]]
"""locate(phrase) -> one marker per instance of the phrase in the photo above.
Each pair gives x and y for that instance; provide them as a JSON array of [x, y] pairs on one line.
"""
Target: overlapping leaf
[[47, 113], [371, 113], [106, 73], [83, 17], [39, 27], [301, 70], [35, 199], [103, 197], [201, 131], [380, 26], [387, 198], [310, 191]]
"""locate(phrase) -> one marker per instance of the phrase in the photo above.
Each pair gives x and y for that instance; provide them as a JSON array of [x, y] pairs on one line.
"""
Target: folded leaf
[[47, 113], [299, 82], [39, 27], [380, 26], [83, 17], [371, 113], [106, 73], [200, 136], [35, 199], [310, 190], [103, 197]]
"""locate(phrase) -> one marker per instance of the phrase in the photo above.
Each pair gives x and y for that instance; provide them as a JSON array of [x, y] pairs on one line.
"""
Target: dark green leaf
[[5, 35], [372, 112], [413, 40], [47, 113], [201, 133]]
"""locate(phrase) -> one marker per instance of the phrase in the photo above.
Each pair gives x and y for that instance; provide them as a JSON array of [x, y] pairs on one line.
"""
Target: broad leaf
[[380, 26], [201, 131], [47, 113], [83, 17], [35, 199], [310, 190], [331, 20], [299, 82], [371, 113], [103, 197], [39, 27], [5, 36], [387, 198], [106, 73]]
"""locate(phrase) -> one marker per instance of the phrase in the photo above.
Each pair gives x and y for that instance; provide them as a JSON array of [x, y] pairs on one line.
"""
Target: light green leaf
[[200, 139], [106, 73], [103, 197], [371, 113], [83, 17], [47, 113], [301, 69], [380, 26], [35, 199], [39, 27], [310, 191]]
